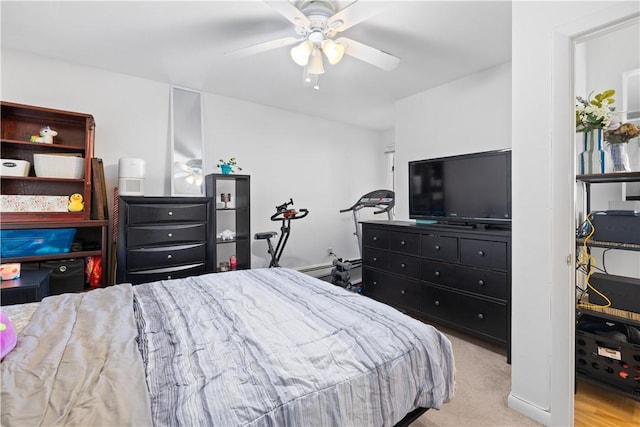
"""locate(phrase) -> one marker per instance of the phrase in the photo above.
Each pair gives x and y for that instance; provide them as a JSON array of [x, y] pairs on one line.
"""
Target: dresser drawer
[[478, 315], [145, 214], [483, 253], [480, 281], [439, 273], [393, 290], [156, 256], [375, 237], [167, 273], [375, 258], [405, 242], [405, 265], [439, 247], [165, 234]]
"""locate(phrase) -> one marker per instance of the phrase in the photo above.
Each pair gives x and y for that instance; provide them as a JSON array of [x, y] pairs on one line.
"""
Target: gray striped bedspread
[[262, 347], [275, 347]]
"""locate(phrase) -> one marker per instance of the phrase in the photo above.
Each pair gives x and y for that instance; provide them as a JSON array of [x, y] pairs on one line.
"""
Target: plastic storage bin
[[609, 360], [37, 241], [12, 167]]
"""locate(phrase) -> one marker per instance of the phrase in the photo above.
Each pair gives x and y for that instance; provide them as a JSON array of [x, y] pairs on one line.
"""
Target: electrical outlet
[[329, 251]]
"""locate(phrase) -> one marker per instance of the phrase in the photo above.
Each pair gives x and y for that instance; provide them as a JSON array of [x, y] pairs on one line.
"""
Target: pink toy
[[8, 336]]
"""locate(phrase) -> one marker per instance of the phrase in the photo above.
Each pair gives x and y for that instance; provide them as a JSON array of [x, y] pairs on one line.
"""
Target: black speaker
[[623, 292], [67, 275]]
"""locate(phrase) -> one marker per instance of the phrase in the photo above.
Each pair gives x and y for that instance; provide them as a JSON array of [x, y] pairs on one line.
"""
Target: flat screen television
[[470, 189]]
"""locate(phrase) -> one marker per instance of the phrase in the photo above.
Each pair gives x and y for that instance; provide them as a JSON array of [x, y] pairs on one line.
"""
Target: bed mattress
[[246, 348]]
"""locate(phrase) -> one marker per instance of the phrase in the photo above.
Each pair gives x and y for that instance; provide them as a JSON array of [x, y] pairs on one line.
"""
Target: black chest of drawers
[[457, 277], [164, 238]]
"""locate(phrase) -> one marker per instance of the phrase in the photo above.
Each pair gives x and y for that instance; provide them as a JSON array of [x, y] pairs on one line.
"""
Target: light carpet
[[483, 382]]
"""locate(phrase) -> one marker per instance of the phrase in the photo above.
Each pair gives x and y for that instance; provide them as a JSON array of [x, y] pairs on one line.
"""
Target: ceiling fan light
[[334, 51], [300, 54], [315, 63]]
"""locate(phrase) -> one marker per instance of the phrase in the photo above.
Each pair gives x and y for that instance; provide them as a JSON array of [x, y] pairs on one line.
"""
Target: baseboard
[[318, 270], [529, 410]]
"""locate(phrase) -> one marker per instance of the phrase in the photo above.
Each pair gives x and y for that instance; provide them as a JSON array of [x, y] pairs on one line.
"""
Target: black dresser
[[454, 276], [164, 238]]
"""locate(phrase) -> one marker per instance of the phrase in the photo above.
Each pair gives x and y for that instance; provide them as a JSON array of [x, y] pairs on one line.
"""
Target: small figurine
[[75, 203], [46, 136]]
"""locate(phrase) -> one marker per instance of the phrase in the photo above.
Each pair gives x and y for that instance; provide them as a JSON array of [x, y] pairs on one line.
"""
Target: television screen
[[471, 188]]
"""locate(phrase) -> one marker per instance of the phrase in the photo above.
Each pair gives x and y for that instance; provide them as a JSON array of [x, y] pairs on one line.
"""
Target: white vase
[[592, 158]]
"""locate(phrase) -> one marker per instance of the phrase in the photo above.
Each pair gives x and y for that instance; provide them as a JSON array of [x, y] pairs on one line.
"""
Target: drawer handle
[[169, 234], [169, 256], [437, 247], [375, 238], [403, 265], [375, 259], [403, 292], [480, 316], [437, 273], [481, 253], [169, 277], [375, 283], [402, 243], [170, 213], [437, 302], [481, 282]]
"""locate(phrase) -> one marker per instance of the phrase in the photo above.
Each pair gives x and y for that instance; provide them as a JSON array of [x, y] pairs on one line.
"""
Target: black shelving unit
[[610, 363], [235, 216]]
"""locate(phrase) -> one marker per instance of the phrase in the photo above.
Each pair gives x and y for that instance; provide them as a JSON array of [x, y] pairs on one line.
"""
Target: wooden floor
[[596, 406]]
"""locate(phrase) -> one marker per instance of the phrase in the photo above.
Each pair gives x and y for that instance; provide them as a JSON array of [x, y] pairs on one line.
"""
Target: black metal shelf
[[609, 245], [603, 178], [633, 321]]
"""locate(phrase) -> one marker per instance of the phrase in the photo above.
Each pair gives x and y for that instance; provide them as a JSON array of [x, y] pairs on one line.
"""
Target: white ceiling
[[184, 43]]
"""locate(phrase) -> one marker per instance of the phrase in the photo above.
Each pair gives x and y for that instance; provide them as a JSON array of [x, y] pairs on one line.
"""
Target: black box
[[623, 292], [610, 361], [67, 275], [616, 227]]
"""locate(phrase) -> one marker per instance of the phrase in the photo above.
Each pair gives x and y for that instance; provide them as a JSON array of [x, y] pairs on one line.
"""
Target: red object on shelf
[[233, 262], [94, 271]]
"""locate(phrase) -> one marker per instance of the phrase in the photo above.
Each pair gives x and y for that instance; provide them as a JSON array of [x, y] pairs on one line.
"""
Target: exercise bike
[[285, 214]]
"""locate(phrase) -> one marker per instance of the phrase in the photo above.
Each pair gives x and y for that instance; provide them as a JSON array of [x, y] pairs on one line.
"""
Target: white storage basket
[[58, 166], [11, 167]]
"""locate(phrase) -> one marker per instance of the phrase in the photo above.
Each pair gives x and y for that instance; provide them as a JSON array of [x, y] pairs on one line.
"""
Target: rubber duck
[[75, 203]]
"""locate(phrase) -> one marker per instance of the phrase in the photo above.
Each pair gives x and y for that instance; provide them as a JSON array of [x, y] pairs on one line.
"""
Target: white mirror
[[187, 139]]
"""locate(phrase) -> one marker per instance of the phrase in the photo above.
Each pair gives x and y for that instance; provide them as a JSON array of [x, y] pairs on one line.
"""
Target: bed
[[261, 347]]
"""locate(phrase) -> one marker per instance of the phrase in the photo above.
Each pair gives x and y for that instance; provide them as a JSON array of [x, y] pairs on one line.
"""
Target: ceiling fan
[[189, 171], [316, 24]]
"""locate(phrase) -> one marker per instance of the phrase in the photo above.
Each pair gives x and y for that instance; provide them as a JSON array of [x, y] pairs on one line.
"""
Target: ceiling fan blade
[[263, 47], [354, 14], [289, 11], [369, 54]]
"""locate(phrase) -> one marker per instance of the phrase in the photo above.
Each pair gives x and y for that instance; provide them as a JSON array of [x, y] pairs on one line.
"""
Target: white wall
[[542, 307], [324, 166], [471, 114]]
